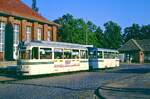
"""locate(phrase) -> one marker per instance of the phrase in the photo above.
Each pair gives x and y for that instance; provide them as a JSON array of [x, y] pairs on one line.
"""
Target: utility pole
[[34, 7], [86, 34]]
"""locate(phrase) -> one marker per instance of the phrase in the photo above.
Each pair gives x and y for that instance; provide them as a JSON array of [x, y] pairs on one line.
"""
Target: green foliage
[[100, 37], [145, 32], [136, 32], [75, 30], [132, 32], [112, 35]]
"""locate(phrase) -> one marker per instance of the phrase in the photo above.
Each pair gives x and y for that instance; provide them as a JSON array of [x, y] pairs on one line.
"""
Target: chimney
[[34, 7]]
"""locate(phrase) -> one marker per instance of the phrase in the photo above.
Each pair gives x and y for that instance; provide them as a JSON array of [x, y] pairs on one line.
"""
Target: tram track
[[105, 87], [95, 89]]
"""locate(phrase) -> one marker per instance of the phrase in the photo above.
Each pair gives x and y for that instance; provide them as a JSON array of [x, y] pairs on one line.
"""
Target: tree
[[77, 30], [145, 31], [100, 37], [112, 35], [132, 32], [91, 34]]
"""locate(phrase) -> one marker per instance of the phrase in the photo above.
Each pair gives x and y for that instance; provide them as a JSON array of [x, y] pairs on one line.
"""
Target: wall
[[23, 23]]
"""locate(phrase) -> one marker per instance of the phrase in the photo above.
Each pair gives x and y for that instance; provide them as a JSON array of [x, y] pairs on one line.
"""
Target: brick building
[[18, 22], [137, 51]]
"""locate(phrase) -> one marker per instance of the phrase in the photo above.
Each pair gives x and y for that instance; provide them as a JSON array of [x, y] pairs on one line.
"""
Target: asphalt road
[[125, 82]]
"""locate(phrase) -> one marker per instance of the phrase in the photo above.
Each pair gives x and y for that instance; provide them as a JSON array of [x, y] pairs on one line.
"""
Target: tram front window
[[92, 54], [25, 54], [99, 54]]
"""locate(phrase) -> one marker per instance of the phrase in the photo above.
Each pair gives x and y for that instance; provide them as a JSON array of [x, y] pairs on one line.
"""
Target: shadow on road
[[40, 85], [134, 70], [95, 89], [145, 91]]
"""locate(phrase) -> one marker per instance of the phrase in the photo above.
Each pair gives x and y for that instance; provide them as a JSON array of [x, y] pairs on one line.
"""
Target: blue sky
[[123, 12]]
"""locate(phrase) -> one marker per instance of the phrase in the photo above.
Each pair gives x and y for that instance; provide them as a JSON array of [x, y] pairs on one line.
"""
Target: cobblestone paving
[[82, 85], [136, 87]]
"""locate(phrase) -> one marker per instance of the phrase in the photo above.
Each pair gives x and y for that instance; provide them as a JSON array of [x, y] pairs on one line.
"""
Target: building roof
[[136, 45], [19, 9]]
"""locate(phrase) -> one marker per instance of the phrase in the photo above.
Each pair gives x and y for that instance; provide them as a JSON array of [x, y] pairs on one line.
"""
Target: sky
[[123, 12]]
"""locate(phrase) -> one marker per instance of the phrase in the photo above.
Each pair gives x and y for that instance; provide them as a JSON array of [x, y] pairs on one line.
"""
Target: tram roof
[[109, 50], [54, 44], [104, 49]]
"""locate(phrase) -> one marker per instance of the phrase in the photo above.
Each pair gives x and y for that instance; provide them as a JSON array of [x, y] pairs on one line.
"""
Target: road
[[125, 82]]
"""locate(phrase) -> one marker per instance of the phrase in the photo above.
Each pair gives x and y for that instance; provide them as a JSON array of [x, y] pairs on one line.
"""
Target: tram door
[[35, 53]]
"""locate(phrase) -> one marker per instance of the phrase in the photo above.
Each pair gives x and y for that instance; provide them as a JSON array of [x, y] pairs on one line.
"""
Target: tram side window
[[67, 54], [75, 54], [117, 55], [25, 54], [99, 54], [113, 55], [35, 53], [106, 55], [83, 54], [58, 53], [45, 53], [110, 55]]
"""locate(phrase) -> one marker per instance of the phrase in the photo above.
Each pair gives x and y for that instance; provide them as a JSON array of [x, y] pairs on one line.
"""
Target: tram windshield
[[99, 54], [92, 54]]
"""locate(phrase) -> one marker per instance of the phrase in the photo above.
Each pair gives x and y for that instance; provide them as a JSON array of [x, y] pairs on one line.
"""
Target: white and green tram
[[103, 58], [44, 57]]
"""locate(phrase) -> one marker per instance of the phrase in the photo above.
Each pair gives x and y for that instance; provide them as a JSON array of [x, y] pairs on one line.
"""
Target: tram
[[44, 57], [103, 58]]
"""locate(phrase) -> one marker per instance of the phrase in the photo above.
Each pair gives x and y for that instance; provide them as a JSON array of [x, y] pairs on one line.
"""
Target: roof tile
[[18, 8], [131, 46]]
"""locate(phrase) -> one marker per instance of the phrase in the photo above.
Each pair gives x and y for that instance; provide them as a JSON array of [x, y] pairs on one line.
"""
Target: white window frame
[[2, 37], [39, 34], [16, 34], [16, 40], [49, 35], [28, 33]]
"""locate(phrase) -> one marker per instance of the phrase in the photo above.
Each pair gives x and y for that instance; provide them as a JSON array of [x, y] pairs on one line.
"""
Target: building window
[[39, 34], [28, 33], [16, 34], [48, 35], [16, 40], [2, 35]]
